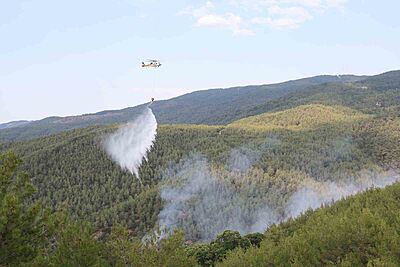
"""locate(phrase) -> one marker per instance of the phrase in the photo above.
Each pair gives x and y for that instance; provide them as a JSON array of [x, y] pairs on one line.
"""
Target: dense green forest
[[359, 230], [261, 160], [223, 106]]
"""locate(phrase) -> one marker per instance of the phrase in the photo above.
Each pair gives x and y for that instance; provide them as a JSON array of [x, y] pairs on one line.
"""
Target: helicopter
[[151, 63]]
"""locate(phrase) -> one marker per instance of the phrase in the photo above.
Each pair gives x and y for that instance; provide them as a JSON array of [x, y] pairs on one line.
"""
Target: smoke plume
[[241, 159], [129, 144], [312, 195], [203, 199], [196, 197]]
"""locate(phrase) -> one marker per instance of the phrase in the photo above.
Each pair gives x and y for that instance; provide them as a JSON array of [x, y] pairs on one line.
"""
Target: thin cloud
[[340, 4], [284, 18], [241, 15], [315, 4], [206, 16], [227, 21]]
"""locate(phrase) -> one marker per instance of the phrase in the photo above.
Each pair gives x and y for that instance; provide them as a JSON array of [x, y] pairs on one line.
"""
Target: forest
[[355, 231], [277, 188], [265, 158]]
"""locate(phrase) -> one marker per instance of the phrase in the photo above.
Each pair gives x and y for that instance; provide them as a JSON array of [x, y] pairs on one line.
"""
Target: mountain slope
[[262, 166], [52, 125], [223, 106], [378, 94], [219, 106], [304, 117], [13, 124], [358, 231]]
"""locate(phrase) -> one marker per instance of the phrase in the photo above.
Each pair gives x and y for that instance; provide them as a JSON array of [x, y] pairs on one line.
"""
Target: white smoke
[[205, 202], [241, 159], [129, 144], [200, 202], [314, 194]]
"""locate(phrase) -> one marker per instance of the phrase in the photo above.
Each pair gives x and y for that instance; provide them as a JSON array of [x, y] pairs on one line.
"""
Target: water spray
[[129, 145]]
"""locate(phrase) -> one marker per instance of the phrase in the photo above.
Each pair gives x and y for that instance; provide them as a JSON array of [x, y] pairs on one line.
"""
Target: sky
[[74, 57]]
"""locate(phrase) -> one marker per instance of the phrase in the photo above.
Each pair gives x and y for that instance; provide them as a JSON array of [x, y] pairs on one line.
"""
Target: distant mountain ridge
[[223, 106], [13, 124]]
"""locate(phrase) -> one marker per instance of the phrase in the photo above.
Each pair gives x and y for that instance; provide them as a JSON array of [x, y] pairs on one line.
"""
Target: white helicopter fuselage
[[151, 65]]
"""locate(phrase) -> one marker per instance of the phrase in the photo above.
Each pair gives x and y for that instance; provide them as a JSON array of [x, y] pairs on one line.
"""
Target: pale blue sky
[[73, 57]]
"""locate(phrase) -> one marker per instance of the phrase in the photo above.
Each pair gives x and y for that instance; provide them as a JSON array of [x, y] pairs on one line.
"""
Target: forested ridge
[[223, 106], [374, 95]]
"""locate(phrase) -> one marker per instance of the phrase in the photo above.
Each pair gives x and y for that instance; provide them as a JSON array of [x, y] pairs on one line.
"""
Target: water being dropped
[[130, 143]]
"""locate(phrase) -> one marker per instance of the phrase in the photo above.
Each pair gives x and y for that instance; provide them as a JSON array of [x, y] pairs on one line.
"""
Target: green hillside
[[53, 125], [223, 106], [71, 170], [306, 117], [378, 94], [374, 95], [218, 106], [358, 231], [371, 94]]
